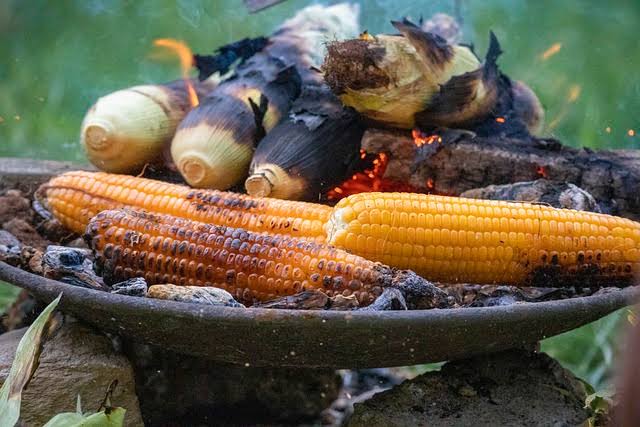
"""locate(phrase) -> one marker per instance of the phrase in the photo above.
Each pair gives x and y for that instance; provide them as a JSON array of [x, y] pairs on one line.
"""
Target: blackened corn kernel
[[252, 266]]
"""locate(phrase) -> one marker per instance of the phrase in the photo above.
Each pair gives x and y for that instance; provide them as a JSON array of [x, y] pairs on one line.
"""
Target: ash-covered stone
[[10, 248], [75, 361], [194, 294], [136, 287]]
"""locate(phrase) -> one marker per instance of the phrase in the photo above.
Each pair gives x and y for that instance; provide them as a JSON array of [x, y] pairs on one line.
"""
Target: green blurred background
[[58, 57]]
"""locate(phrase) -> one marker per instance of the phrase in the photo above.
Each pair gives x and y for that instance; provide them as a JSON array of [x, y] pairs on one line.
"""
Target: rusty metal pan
[[330, 339]]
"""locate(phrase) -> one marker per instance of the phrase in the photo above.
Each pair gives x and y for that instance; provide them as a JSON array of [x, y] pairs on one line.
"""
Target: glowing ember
[[430, 184], [186, 62], [420, 138], [542, 172], [500, 119], [631, 132], [551, 51], [370, 179]]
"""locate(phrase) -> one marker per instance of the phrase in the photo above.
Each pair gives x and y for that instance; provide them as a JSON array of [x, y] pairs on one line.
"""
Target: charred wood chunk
[[72, 266], [136, 287], [194, 294], [471, 295], [306, 300], [554, 193], [312, 300], [390, 299], [419, 293]]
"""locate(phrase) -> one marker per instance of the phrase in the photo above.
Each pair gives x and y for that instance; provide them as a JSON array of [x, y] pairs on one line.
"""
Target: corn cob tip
[[96, 135], [258, 185], [270, 180]]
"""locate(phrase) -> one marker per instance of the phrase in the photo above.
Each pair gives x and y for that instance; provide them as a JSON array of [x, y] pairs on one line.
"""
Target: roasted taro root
[[252, 267], [417, 79], [75, 197], [458, 240]]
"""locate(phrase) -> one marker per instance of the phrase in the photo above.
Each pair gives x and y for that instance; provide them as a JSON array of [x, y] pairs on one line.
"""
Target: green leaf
[[24, 365], [111, 417]]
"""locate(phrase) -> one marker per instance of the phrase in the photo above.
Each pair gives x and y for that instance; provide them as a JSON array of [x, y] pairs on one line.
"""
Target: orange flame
[[186, 62], [420, 139], [552, 50], [501, 120], [370, 179]]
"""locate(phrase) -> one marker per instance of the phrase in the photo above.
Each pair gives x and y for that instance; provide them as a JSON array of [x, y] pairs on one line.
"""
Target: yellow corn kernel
[[452, 239], [75, 197]]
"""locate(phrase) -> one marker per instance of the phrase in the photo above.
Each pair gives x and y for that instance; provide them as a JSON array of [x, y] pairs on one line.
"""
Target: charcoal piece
[[420, 294], [390, 299], [136, 287], [311, 300], [72, 266], [194, 294], [306, 300]]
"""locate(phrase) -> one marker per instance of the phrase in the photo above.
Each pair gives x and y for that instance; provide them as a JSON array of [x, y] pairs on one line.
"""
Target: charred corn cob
[[75, 197], [251, 266], [452, 239]]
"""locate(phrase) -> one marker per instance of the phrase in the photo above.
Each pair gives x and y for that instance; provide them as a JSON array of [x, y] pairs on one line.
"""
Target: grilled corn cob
[[251, 266], [452, 239], [75, 197]]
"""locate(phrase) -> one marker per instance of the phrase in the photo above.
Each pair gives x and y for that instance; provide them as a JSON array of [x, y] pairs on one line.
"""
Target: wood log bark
[[463, 161]]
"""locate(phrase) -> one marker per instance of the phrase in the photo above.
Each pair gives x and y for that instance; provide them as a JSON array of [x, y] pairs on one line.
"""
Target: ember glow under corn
[[75, 197], [251, 266], [458, 240]]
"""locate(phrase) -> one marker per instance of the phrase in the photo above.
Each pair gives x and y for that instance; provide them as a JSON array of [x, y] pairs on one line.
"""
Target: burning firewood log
[[462, 161], [127, 129], [417, 79], [214, 144]]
